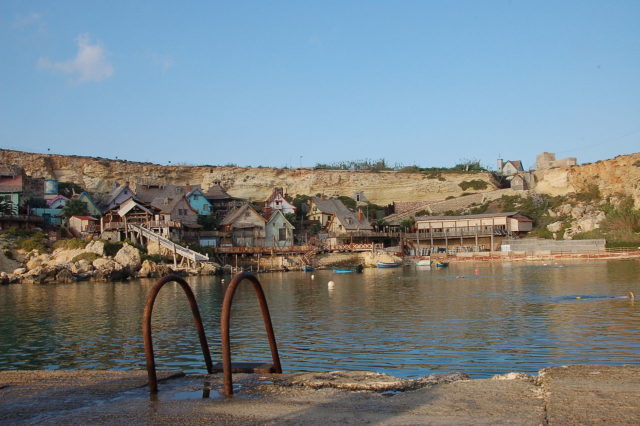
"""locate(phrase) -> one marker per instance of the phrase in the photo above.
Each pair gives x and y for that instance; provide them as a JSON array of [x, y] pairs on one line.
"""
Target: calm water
[[480, 319]]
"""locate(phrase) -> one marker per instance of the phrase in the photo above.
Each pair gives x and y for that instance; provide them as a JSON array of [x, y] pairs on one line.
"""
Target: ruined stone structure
[[547, 160]]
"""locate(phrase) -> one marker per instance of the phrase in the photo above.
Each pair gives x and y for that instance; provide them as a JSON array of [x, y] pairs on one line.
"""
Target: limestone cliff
[[619, 175], [100, 175]]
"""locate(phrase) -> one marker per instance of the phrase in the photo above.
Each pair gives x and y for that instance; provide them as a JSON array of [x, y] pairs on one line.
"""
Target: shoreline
[[578, 394]]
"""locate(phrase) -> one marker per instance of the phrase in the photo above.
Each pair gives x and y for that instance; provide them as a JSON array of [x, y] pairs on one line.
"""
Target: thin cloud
[[163, 61], [90, 63], [33, 19]]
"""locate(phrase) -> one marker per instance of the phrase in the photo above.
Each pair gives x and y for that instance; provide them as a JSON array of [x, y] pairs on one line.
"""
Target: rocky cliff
[[619, 175], [100, 175]]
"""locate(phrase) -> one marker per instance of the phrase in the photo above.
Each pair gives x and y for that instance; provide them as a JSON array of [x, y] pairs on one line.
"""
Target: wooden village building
[[278, 201], [221, 202], [278, 230], [243, 227], [478, 231]]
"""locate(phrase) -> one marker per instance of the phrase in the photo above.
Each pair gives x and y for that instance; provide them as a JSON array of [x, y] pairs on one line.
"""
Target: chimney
[[187, 188], [500, 164], [360, 215]]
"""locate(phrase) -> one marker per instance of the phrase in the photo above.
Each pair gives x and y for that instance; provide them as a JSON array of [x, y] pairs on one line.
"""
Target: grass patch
[[85, 256], [71, 244], [156, 258], [473, 184]]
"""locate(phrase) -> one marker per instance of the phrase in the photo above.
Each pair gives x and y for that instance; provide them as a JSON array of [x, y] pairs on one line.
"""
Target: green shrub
[[32, 243], [71, 244], [473, 184], [112, 247], [85, 256], [156, 258], [622, 244], [22, 233], [589, 235], [636, 163], [589, 193]]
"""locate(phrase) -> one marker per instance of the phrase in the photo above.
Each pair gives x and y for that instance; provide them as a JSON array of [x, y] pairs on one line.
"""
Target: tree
[[69, 188], [209, 222], [75, 207], [7, 208]]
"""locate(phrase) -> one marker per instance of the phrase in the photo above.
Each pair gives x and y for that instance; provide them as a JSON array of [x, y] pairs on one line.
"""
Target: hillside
[[99, 175], [618, 175]]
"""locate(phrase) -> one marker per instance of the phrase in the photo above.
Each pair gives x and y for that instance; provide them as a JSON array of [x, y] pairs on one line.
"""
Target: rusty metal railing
[[146, 327], [226, 366], [225, 322]]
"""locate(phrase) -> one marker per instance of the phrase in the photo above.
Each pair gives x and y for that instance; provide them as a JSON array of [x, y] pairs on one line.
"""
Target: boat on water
[[423, 262], [308, 268], [347, 269], [388, 264], [441, 264]]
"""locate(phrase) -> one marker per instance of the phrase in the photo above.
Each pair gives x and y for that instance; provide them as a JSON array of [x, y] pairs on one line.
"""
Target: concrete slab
[[592, 394], [581, 394]]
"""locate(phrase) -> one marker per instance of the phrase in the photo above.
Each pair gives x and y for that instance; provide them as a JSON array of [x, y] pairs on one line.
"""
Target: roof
[[168, 205], [58, 197], [217, 192], [235, 214], [276, 213], [515, 163], [475, 216], [129, 205], [348, 219], [115, 194], [148, 193], [85, 217]]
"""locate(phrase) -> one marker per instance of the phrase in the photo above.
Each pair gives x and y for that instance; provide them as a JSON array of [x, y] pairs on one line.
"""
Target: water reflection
[[481, 319]]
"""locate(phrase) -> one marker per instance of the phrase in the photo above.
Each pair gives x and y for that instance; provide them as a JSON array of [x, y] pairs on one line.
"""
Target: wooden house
[[177, 209], [16, 188], [198, 201], [509, 167], [119, 195], [244, 227], [221, 202], [336, 218], [277, 201], [92, 207], [278, 230], [82, 225]]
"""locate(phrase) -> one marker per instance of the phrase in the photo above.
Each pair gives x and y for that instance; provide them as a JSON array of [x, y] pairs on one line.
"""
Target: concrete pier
[[582, 394]]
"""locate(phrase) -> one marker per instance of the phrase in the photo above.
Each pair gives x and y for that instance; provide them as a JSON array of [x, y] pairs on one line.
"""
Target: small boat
[[308, 268], [388, 264], [347, 269], [441, 264], [423, 262]]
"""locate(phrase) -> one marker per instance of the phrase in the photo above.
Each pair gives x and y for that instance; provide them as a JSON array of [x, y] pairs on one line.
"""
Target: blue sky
[[289, 83]]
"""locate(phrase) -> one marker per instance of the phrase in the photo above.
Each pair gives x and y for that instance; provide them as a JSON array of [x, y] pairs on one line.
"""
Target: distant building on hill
[[547, 160]]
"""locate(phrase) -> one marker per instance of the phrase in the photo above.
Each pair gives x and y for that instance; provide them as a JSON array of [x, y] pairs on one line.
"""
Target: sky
[[297, 83]]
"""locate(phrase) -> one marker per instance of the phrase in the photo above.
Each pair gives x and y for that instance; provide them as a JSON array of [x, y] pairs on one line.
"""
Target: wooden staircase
[[176, 249]]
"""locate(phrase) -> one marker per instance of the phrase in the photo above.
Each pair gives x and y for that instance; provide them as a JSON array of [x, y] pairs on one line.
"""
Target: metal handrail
[[146, 327], [225, 326]]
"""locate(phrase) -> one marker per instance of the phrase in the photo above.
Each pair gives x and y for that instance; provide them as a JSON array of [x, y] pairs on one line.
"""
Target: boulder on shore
[[129, 257]]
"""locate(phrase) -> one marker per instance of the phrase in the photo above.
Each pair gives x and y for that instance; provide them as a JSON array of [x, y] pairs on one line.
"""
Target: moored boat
[[388, 264], [347, 269], [441, 264], [423, 262], [308, 269]]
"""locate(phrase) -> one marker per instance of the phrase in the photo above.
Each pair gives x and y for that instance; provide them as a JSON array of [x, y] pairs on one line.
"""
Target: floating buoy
[[476, 271], [312, 276], [330, 283], [632, 296], [222, 281], [578, 297]]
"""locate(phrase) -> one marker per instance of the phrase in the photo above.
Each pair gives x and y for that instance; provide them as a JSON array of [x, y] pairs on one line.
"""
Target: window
[[282, 234]]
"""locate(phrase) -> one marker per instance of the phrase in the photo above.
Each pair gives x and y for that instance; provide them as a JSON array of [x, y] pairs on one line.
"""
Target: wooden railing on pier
[[262, 250], [167, 243]]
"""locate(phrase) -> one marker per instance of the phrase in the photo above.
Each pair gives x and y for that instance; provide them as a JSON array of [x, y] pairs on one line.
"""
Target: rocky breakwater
[[92, 264]]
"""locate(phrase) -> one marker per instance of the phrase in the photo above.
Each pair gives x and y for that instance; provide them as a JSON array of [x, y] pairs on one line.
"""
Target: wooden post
[[175, 261]]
